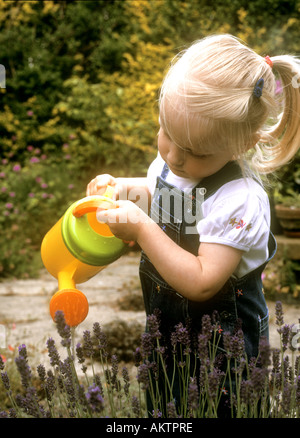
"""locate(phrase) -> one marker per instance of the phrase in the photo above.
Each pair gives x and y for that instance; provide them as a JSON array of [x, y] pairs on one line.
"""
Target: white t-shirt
[[237, 215]]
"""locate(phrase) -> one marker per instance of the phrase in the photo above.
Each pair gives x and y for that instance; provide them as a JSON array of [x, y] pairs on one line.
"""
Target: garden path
[[24, 304]]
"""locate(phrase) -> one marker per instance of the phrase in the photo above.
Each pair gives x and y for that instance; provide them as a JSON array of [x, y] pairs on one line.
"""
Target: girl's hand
[[126, 221], [99, 184]]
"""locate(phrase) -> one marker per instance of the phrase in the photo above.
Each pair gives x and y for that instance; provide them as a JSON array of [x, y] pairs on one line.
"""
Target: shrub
[[34, 193]]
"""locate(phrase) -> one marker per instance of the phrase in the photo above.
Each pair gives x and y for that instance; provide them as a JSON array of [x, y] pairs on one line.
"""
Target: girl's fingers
[[98, 185]]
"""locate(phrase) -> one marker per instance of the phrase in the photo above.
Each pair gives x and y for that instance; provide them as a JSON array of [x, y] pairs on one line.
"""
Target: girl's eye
[[201, 156]]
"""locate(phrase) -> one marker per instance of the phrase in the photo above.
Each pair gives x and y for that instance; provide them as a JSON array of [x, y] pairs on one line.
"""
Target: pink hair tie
[[269, 61]]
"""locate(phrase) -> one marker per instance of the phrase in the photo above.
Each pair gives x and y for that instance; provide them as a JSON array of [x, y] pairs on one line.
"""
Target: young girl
[[218, 106]]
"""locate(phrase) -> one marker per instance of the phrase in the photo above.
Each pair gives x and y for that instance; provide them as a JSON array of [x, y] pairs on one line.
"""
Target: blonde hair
[[207, 102]]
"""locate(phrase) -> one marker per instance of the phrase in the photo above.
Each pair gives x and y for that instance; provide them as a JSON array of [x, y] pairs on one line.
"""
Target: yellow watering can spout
[[76, 248]]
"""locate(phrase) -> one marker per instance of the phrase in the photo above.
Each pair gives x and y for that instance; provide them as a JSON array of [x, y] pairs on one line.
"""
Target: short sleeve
[[240, 221]]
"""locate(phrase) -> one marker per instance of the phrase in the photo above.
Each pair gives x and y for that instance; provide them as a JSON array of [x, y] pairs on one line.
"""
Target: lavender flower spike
[[23, 367], [87, 344], [52, 352], [94, 398], [279, 313], [62, 328]]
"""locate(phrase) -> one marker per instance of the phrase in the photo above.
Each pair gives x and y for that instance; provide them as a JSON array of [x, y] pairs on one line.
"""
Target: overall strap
[[165, 171], [230, 172]]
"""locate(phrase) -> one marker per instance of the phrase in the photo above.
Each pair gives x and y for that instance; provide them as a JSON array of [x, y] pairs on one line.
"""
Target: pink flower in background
[[17, 168], [9, 205], [34, 160], [2, 174], [31, 195], [30, 113]]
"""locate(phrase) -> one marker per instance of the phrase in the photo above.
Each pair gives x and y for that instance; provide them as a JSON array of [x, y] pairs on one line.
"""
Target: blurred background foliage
[[82, 82]]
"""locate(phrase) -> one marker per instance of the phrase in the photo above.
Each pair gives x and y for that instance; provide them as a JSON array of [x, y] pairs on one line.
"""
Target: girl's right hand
[[98, 185]]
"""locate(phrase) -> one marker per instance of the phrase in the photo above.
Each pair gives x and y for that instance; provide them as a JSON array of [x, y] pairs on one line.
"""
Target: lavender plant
[[211, 367]]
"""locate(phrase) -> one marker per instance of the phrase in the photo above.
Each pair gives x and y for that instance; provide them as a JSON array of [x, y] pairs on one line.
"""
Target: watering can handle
[[90, 205]]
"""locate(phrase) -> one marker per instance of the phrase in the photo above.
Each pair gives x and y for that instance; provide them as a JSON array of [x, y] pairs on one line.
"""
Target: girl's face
[[188, 164]]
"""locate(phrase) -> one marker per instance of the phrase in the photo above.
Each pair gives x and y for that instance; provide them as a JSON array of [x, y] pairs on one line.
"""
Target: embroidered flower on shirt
[[239, 224], [239, 292], [232, 221]]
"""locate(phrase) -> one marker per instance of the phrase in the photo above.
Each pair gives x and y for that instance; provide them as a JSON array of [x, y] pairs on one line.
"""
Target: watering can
[[75, 249]]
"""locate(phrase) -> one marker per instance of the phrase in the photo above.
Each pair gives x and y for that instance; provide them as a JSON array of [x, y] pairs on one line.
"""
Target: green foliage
[[287, 186], [281, 280], [92, 70], [33, 195]]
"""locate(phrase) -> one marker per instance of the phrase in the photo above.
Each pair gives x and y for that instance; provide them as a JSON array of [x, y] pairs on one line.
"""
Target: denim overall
[[239, 300]]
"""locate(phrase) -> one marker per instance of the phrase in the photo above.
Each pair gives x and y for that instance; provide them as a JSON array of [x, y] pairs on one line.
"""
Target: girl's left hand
[[125, 221]]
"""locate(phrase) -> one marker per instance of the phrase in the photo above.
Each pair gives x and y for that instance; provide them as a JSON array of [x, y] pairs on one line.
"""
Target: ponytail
[[279, 144]]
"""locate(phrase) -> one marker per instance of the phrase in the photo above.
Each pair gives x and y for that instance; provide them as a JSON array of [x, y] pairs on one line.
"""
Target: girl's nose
[[175, 156]]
